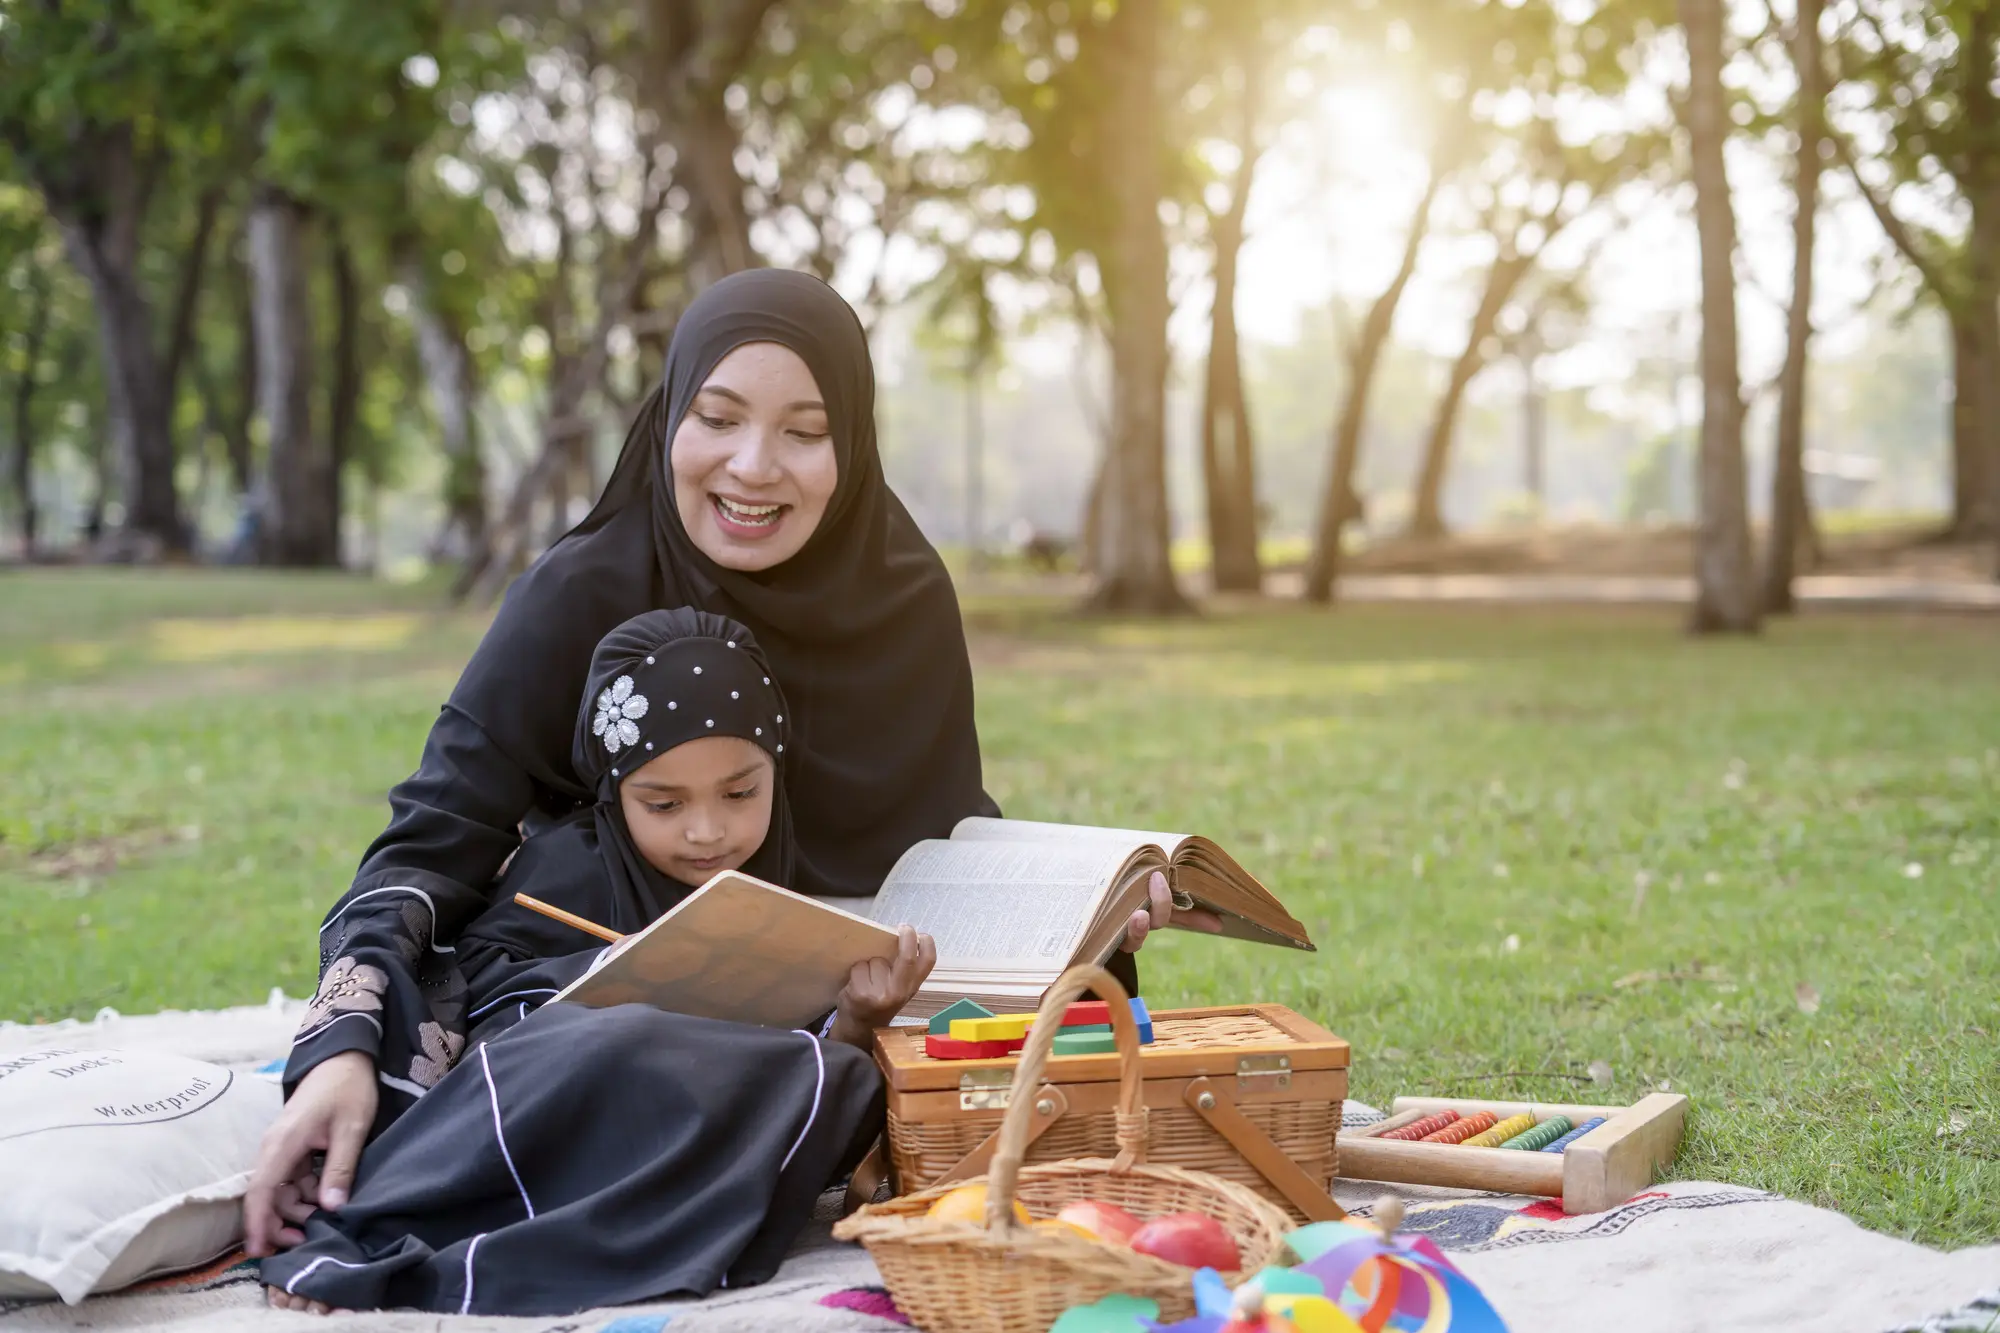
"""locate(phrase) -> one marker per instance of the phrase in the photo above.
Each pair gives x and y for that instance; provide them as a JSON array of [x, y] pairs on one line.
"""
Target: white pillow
[[120, 1165]]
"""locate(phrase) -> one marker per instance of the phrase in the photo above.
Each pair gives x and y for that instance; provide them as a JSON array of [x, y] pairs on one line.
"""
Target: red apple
[[1106, 1221], [1189, 1239]]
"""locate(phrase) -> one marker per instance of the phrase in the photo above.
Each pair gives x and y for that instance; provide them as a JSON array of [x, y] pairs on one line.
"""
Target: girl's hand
[[878, 989], [1159, 914], [330, 1111]]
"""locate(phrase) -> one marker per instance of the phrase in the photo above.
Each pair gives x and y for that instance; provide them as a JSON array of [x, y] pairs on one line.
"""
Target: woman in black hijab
[[750, 486], [578, 1157]]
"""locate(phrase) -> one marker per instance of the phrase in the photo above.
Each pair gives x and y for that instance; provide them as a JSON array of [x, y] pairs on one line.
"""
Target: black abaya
[[588, 1157], [544, 1159]]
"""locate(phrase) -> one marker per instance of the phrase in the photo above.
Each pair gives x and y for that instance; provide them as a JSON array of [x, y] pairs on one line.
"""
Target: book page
[[977, 829], [1004, 906]]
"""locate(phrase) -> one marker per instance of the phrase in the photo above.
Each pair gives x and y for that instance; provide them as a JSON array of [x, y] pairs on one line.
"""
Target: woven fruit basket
[[959, 1277]]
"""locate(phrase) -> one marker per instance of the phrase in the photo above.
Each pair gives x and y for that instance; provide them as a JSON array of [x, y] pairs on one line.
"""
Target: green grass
[[1526, 841]]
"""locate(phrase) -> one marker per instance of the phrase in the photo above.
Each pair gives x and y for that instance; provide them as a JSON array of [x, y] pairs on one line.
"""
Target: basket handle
[[1130, 1115]]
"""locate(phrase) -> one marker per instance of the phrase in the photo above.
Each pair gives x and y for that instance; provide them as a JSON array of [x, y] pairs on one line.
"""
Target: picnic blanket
[[1683, 1256]]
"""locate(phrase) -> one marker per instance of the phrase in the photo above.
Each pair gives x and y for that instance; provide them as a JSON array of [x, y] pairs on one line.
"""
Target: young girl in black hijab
[[573, 1157]]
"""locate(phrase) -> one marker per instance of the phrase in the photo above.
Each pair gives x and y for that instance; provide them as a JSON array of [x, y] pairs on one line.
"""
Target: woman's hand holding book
[[1159, 913]]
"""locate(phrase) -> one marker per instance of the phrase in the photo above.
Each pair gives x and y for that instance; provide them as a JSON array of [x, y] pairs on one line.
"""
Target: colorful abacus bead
[[1500, 1133], [1417, 1129], [1541, 1136], [1575, 1134], [1458, 1131]]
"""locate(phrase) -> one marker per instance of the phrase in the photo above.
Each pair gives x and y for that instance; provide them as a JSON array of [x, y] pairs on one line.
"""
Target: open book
[[1011, 903], [740, 949]]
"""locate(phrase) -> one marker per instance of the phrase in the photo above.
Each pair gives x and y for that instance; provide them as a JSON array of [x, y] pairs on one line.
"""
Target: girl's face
[[701, 807], [753, 462]]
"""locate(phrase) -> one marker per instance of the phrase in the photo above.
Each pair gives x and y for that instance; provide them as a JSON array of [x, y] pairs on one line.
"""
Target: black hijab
[[659, 680], [862, 625]]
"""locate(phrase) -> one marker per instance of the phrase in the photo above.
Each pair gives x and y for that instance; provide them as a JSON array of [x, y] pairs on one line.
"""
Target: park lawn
[[1528, 841]]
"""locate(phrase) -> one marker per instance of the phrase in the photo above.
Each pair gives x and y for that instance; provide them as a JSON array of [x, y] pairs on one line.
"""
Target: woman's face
[[702, 807], [753, 462]]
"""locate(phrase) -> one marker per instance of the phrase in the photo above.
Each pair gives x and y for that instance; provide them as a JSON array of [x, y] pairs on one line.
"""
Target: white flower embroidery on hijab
[[618, 712]]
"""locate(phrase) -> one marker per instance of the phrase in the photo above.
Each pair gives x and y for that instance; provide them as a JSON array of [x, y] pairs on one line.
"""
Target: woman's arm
[[390, 1004], [454, 822]]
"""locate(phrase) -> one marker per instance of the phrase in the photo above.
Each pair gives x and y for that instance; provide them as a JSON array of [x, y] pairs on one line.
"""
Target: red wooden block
[[1086, 1013], [950, 1048]]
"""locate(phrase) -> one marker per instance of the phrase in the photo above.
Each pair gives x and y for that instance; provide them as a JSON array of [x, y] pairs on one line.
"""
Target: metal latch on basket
[[1263, 1073], [985, 1089]]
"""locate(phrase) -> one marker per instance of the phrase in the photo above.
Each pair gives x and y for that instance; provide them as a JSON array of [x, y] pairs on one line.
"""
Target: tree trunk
[[1427, 511], [1790, 521], [1982, 114], [1534, 423], [695, 51], [103, 455], [1969, 498], [187, 292], [1228, 458], [100, 223], [619, 283], [343, 407], [1337, 501], [298, 523], [1137, 572], [449, 372], [1090, 537], [98, 197], [1726, 598], [24, 411], [975, 464]]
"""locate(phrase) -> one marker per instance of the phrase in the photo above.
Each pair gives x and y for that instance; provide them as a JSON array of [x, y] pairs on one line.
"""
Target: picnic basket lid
[[1187, 1043]]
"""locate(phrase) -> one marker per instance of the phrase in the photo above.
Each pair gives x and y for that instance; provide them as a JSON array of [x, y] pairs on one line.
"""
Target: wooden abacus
[[1594, 1170]]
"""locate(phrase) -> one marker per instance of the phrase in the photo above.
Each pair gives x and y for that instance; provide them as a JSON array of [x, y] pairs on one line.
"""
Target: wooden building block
[[999, 1027], [950, 1048], [1144, 1019], [1085, 1013], [940, 1026], [1085, 1043]]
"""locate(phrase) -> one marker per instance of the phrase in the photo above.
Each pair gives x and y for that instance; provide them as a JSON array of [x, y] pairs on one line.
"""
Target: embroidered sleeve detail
[[347, 987], [440, 1052]]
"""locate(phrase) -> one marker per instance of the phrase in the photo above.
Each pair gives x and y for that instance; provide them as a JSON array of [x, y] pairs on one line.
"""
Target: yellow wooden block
[[1000, 1027]]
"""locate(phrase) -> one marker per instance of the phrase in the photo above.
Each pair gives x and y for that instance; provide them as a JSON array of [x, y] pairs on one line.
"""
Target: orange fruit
[[1057, 1224], [967, 1203]]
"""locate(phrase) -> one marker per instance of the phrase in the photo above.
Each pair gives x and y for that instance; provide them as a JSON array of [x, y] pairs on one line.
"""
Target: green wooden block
[[1085, 1043], [941, 1025], [1088, 1027]]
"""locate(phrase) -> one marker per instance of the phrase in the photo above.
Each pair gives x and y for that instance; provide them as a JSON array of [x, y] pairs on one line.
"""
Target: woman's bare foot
[[280, 1299]]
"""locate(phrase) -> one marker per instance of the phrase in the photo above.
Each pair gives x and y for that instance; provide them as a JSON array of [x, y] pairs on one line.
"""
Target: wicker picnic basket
[[956, 1277]]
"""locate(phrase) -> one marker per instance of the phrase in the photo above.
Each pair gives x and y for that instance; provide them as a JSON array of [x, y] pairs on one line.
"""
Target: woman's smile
[[745, 519]]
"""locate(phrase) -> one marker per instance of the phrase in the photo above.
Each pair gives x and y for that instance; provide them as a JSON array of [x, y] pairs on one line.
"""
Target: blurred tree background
[[1157, 287]]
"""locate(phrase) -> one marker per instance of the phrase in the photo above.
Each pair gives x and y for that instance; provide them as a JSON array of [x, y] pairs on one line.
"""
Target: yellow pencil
[[568, 918]]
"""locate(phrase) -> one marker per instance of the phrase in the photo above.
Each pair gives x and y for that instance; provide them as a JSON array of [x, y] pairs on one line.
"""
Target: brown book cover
[[739, 949]]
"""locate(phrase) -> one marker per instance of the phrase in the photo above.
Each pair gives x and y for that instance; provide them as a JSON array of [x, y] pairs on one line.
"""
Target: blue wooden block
[[1143, 1019], [941, 1025]]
